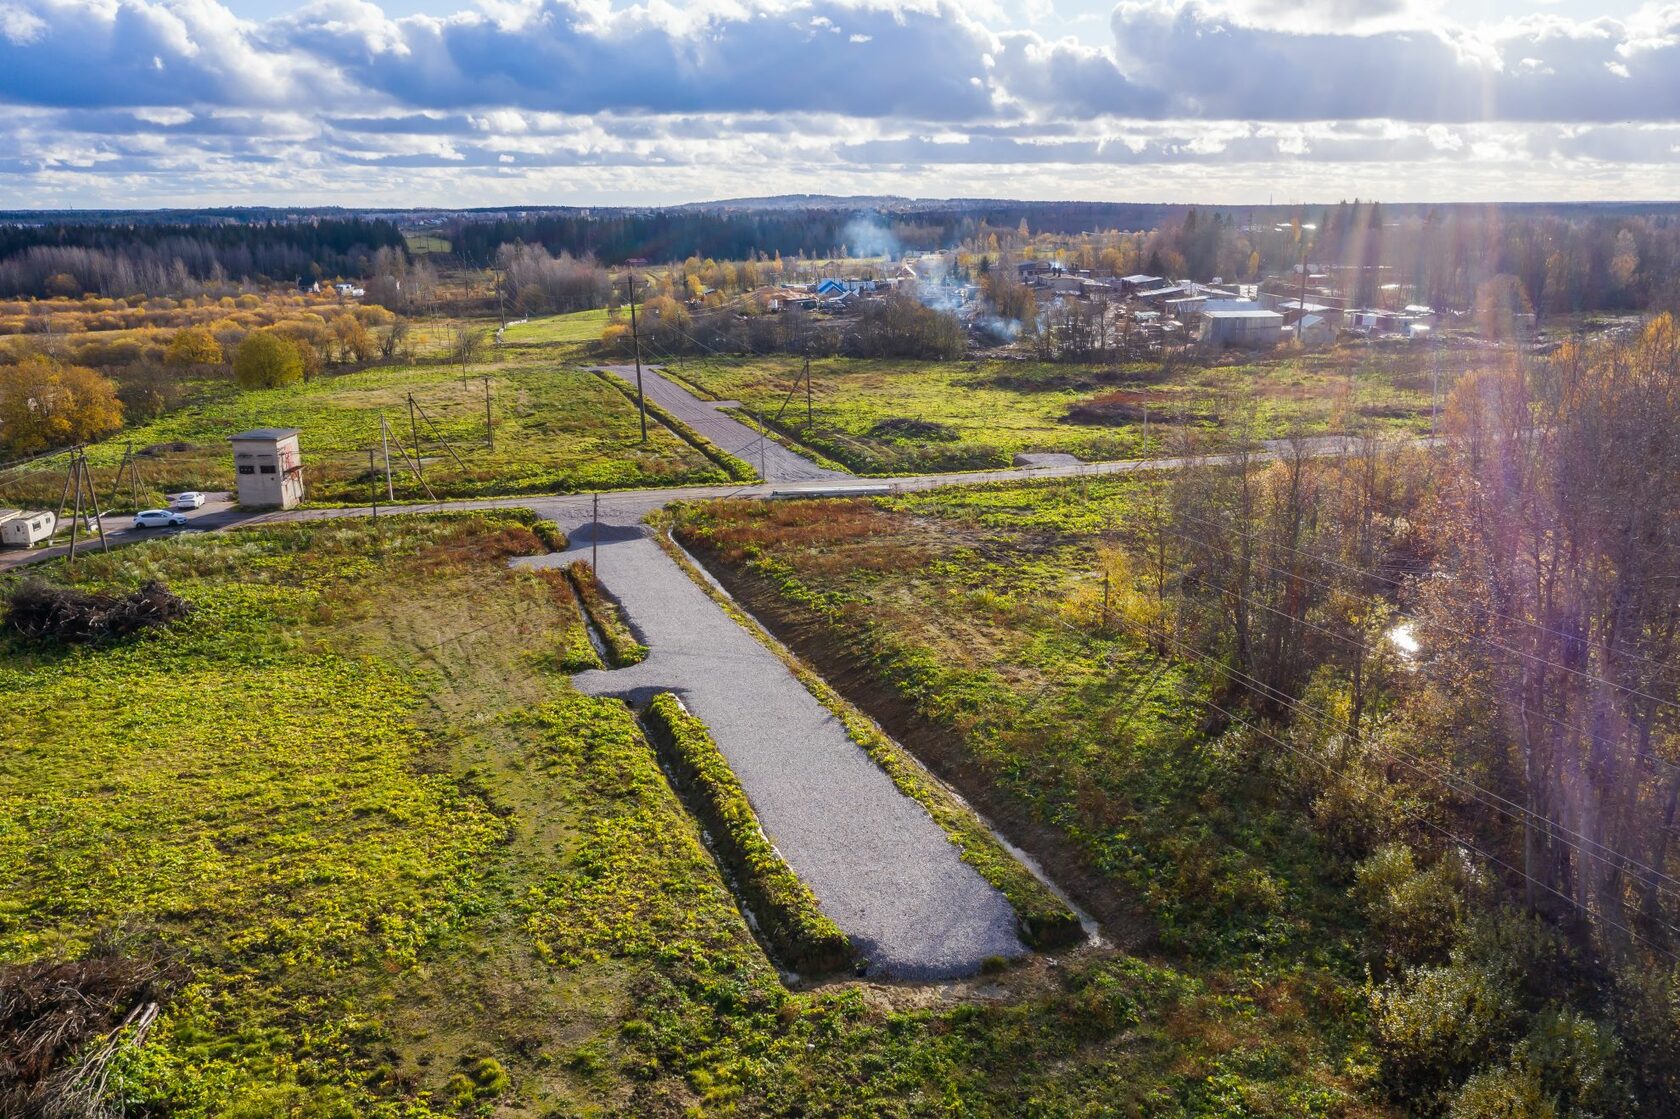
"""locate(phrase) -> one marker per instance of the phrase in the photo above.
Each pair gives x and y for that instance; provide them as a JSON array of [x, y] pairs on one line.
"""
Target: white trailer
[[26, 528]]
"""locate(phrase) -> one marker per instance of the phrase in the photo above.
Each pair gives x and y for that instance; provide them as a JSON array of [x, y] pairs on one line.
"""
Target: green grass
[[422, 244], [411, 873], [579, 326], [988, 411], [787, 911], [957, 611], [557, 428]]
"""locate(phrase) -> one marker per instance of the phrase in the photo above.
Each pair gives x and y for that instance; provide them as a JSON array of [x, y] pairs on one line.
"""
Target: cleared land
[[403, 869], [906, 417], [558, 429], [580, 326], [952, 617]]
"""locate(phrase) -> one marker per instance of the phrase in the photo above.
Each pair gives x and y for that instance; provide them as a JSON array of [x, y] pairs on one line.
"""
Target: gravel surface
[[778, 463], [879, 865]]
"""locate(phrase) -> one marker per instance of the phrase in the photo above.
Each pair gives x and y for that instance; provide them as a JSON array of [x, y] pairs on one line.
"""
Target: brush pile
[[41, 612]]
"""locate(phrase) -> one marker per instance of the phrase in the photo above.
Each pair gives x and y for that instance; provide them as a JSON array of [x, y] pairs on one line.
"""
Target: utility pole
[[489, 431], [1435, 384], [373, 483], [808, 420], [75, 517], [93, 500], [133, 477], [385, 445], [595, 536], [636, 344], [414, 435], [763, 438]]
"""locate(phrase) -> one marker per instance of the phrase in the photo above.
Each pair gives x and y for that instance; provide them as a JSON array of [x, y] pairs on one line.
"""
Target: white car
[[158, 518], [192, 499]]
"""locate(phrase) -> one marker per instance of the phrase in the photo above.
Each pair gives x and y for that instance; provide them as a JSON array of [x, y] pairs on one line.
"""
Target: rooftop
[[1244, 314], [264, 434]]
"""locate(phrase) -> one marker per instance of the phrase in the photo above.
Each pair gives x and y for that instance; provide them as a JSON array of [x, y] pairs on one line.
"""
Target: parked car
[[158, 518], [192, 499]]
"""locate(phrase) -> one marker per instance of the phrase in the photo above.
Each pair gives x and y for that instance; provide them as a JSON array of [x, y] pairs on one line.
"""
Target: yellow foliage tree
[[267, 360], [45, 404], [193, 346]]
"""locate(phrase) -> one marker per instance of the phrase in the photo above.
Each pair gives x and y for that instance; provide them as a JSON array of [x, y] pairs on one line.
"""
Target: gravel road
[[778, 463], [879, 865]]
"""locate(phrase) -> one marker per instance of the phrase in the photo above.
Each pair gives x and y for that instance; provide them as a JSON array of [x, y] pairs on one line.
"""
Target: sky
[[396, 103]]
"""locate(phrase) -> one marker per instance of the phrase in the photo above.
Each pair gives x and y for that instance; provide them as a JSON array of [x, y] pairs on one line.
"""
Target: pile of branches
[[61, 1024], [41, 612]]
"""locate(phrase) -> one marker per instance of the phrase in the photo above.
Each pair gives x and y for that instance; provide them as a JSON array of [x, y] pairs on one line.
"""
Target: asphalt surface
[[218, 511], [774, 462], [880, 867]]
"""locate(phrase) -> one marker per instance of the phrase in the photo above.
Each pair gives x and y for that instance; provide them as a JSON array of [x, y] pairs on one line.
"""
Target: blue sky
[[448, 102]]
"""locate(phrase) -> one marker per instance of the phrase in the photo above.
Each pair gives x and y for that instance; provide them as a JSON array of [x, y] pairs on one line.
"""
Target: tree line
[[71, 259], [1466, 660]]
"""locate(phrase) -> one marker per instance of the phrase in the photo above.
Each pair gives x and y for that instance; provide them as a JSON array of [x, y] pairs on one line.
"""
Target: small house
[[268, 467], [1311, 330]]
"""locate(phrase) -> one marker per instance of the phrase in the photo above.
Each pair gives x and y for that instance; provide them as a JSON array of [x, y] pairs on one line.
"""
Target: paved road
[[623, 502], [774, 462], [880, 867], [217, 512]]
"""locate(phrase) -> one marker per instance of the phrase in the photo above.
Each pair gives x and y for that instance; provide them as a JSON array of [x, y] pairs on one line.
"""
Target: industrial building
[[269, 467], [1244, 328]]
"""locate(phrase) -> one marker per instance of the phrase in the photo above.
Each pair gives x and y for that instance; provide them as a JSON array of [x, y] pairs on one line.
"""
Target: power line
[[1398, 584], [1427, 768], [1650, 758], [1460, 840]]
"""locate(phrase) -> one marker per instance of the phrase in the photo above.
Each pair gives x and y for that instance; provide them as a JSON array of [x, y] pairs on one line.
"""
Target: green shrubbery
[[787, 911], [622, 647]]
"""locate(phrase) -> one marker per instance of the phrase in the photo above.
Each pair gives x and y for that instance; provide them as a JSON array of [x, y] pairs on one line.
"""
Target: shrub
[[787, 911], [1502, 1093], [45, 403], [266, 360], [622, 647], [1441, 1023], [1413, 913], [194, 346]]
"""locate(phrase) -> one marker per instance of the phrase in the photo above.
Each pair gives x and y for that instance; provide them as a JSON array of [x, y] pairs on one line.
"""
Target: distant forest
[[1553, 257], [115, 258], [729, 233]]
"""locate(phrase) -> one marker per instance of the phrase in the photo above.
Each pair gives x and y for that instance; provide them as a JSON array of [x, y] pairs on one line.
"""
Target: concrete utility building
[[1242, 328], [22, 529], [269, 467]]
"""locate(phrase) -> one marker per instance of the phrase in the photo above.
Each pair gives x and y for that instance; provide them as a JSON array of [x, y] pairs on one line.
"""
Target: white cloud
[[789, 94]]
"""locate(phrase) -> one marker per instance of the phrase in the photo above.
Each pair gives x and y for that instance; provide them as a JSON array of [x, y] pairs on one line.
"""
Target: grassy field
[[402, 869], [581, 326], [558, 429], [422, 244], [898, 417], [954, 615]]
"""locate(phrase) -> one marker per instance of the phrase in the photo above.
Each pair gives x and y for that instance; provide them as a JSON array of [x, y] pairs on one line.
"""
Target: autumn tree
[[267, 360], [1554, 628], [194, 345], [45, 404]]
